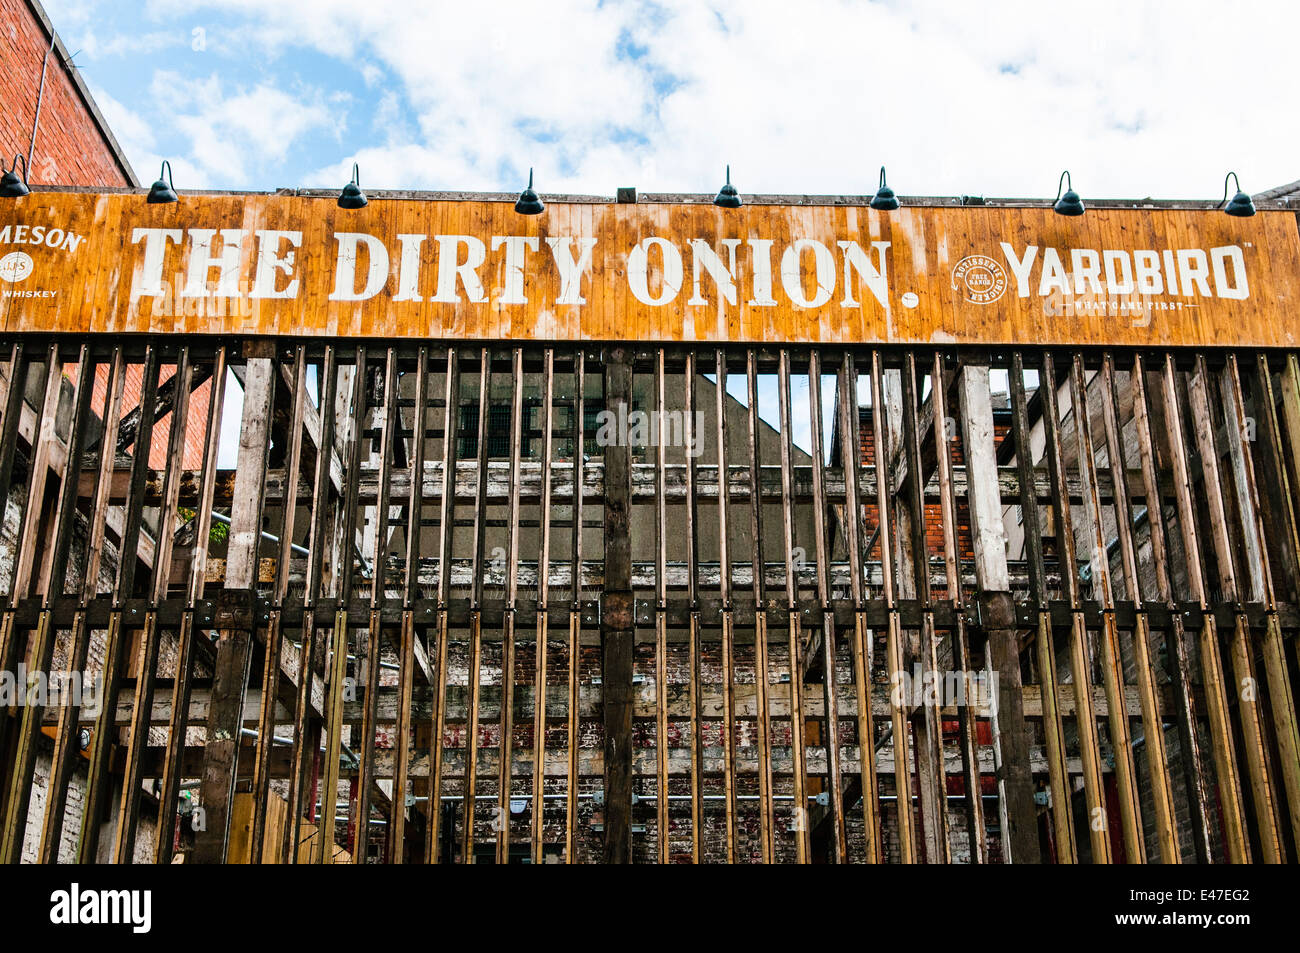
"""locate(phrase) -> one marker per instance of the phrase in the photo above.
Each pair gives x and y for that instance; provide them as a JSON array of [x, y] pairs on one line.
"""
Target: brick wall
[[131, 387], [71, 148], [933, 514]]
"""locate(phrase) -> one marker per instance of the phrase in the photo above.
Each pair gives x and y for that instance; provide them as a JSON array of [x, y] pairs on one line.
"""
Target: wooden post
[[997, 613], [616, 632], [234, 645]]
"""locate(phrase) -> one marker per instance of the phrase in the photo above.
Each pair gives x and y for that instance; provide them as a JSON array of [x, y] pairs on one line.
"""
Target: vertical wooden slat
[[1225, 759], [863, 642], [758, 571], [446, 523], [1153, 730], [798, 765], [479, 521], [1191, 758], [342, 587], [411, 630], [961, 652], [274, 634], [575, 612], [42, 651], [728, 621], [32, 512], [148, 656], [21, 361], [1017, 815], [388, 420], [1281, 697], [931, 775], [1257, 586], [173, 753], [1289, 386], [1080, 650], [1112, 666], [306, 726], [19, 368], [1059, 784], [13, 638], [102, 740], [617, 616], [543, 608], [1249, 715], [830, 691], [893, 635], [234, 646], [508, 634], [692, 599], [662, 802], [67, 734]]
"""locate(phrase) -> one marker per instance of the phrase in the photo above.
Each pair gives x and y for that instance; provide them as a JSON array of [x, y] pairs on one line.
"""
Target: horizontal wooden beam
[[643, 484], [589, 700]]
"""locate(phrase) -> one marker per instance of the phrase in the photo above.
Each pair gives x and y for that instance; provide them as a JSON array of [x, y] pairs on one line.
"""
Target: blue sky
[[1134, 98]]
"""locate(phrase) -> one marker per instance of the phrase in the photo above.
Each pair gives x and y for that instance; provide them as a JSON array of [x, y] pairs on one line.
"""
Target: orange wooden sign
[[287, 265]]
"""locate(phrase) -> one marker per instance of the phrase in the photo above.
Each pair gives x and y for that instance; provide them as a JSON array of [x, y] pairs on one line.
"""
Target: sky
[[996, 98]]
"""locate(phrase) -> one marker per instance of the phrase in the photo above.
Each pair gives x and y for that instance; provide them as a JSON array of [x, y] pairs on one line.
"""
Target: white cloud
[[227, 131], [137, 137], [1135, 98], [92, 47], [132, 131]]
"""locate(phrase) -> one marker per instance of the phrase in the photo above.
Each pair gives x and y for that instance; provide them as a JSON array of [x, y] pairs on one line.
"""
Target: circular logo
[[910, 299], [980, 279], [15, 266]]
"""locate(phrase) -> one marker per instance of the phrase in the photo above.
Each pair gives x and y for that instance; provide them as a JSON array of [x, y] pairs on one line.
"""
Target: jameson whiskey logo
[[16, 265]]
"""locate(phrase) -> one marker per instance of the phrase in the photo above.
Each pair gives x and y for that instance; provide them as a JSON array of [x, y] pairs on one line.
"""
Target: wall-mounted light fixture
[[727, 196], [12, 187], [162, 191], [1241, 205], [1068, 203], [529, 203], [352, 197], [885, 200]]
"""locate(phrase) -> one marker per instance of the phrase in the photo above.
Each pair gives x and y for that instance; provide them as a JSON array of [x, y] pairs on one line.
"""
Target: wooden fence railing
[[453, 603]]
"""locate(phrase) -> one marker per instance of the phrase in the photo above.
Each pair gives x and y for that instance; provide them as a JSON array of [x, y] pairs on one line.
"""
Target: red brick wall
[[70, 148], [195, 436]]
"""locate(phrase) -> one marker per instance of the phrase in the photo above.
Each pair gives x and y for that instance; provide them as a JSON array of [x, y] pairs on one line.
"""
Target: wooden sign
[[287, 265]]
